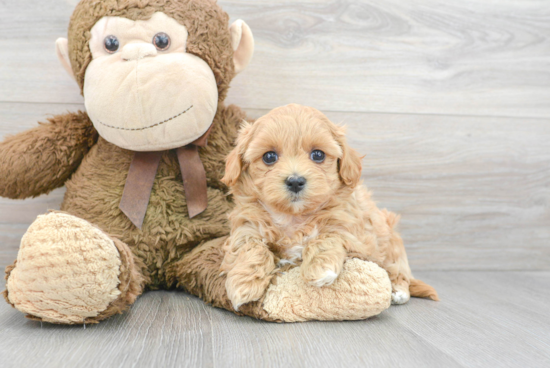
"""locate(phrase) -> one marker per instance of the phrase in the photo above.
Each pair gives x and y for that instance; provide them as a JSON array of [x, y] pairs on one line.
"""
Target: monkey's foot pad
[[362, 290], [66, 271]]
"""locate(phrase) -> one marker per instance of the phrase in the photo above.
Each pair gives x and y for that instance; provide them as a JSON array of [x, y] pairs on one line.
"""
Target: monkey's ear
[[62, 48], [243, 44]]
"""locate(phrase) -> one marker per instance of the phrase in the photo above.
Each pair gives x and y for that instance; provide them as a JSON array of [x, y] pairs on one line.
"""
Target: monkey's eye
[[318, 156], [161, 41], [111, 44], [270, 158]]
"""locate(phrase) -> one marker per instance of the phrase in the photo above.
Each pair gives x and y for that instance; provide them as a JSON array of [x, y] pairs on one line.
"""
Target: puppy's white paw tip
[[399, 297], [328, 278], [284, 262]]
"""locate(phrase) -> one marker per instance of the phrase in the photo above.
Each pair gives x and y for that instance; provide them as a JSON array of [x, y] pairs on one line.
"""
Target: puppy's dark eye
[[270, 158], [111, 44], [161, 41], [318, 156]]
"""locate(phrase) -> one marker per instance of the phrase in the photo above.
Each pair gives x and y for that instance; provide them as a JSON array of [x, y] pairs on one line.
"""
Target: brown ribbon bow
[[141, 178]]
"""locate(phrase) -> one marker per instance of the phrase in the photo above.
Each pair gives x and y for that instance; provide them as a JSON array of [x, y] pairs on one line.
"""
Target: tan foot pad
[[362, 290], [67, 270]]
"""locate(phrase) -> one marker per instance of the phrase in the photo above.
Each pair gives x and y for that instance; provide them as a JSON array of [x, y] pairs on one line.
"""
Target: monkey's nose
[[136, 51], [295, 183]]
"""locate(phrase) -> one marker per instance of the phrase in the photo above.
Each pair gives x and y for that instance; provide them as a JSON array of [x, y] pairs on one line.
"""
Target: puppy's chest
[[288, 237]]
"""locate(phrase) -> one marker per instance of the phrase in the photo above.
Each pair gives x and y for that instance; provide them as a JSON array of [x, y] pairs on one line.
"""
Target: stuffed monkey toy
[[145, 207]]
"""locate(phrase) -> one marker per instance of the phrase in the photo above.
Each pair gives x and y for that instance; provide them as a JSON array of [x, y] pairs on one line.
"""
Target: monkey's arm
[[39, 160]]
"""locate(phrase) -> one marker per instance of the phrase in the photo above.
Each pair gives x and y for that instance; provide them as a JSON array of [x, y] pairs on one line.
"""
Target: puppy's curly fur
[[304, 209]]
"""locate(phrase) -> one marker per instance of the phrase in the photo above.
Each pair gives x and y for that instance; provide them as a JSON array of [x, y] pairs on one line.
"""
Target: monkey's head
[[152, 72]]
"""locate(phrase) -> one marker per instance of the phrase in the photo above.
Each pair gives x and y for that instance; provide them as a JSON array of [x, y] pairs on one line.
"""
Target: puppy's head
[[293, 160]]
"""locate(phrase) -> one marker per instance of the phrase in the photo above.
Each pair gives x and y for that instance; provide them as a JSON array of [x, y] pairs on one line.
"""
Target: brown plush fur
[[67, 150], [194, 273], [94, 193], [320, 225], [43, 158], [8, 273], [131, 284]]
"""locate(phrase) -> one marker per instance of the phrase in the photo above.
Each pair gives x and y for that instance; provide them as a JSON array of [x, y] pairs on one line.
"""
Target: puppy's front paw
[[284, 262], [245, 289], [320, 272], [328, 278]]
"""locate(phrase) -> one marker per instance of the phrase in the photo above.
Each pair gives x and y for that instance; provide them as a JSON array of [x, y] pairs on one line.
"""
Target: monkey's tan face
[[142, 90]]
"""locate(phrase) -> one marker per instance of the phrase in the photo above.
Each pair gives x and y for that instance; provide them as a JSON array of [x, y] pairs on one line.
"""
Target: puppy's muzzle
[[295, 183]]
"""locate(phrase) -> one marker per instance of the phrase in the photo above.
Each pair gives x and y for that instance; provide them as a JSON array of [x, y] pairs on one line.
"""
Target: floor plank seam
[[208, 313], [427, 342], [417, 113], [480, 270], [371, 112]]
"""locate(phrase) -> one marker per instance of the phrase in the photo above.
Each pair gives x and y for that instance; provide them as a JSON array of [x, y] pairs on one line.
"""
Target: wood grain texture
[[421, 56], [485, 319], [473, 192], [29, 69], [162, 330]]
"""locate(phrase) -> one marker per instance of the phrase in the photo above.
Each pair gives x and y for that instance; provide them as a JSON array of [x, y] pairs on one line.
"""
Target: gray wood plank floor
[[485, 319]]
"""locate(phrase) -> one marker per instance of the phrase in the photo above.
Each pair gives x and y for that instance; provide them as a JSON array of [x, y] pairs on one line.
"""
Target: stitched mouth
[[150, 126]]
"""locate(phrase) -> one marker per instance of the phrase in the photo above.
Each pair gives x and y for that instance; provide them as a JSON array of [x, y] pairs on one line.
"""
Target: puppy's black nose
[[295, 183]]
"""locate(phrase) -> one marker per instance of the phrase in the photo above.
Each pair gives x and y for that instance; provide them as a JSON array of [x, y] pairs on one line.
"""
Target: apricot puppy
[[296, 185]]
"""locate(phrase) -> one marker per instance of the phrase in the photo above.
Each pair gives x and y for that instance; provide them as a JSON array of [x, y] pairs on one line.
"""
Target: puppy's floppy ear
[[233, 168], [349, 165], [234, 164]]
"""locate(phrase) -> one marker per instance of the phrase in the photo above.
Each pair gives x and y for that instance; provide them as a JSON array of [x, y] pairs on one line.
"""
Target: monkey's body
[[89, 261], [94, 192]]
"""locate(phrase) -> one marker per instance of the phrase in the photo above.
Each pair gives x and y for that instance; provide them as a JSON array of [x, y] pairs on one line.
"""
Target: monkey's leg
[[362, 290], [68, 271]]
